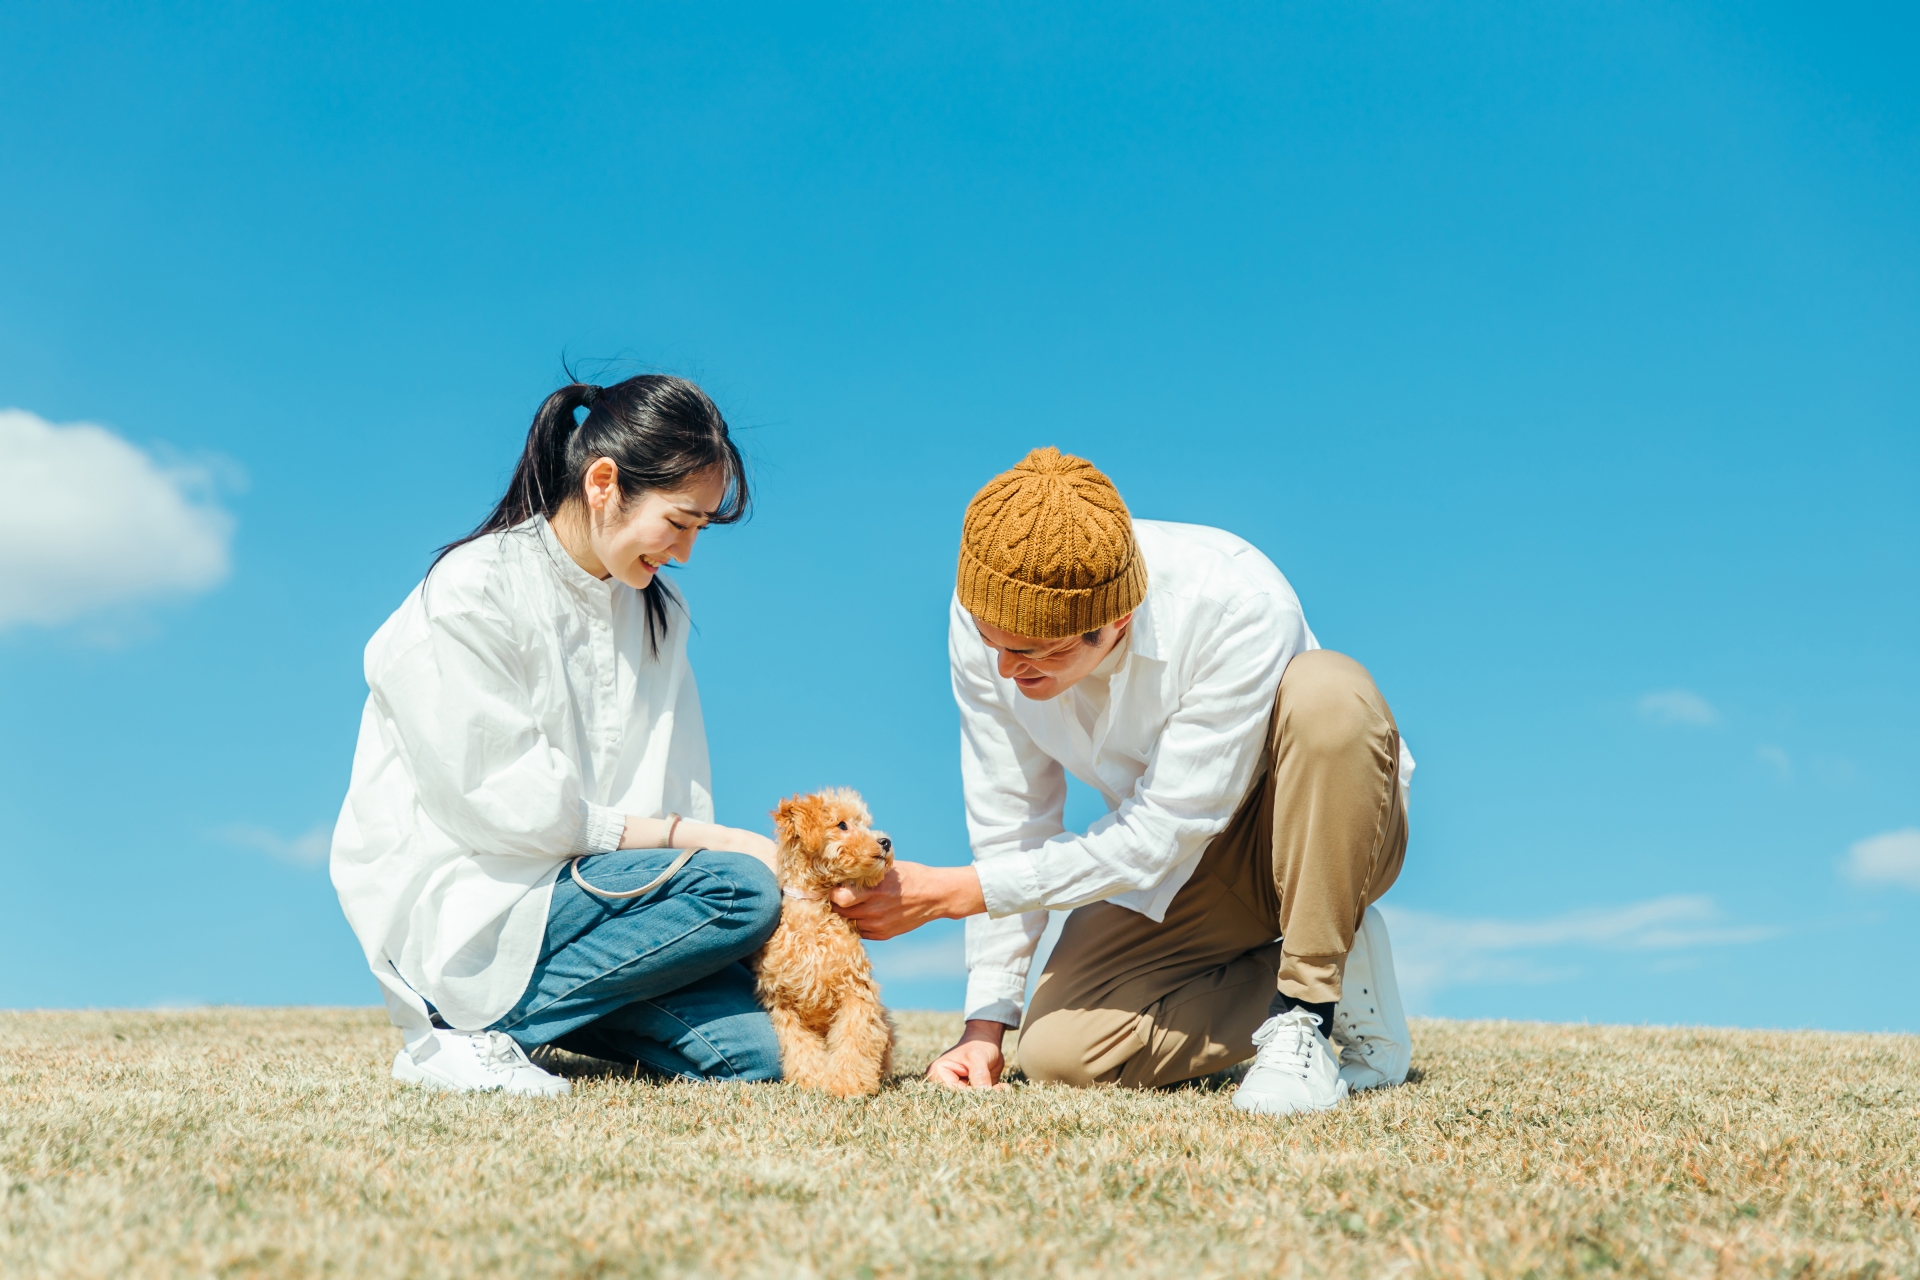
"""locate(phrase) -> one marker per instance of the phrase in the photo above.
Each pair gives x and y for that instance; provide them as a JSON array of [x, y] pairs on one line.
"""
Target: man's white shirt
[[1169, 731]]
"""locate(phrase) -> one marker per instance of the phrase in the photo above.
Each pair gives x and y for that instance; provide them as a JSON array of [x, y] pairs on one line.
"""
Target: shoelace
[[502, 1050], [1285, 1041]]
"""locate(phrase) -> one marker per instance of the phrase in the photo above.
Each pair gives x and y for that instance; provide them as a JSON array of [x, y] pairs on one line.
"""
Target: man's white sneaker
[[1369, 1023], [1294, 1070], [474, 1062]]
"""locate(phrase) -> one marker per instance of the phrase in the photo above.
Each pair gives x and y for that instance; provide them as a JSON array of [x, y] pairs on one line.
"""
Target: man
[[1256, 787]]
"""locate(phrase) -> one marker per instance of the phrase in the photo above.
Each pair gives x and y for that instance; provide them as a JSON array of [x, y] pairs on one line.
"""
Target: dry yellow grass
[[271, 1142]]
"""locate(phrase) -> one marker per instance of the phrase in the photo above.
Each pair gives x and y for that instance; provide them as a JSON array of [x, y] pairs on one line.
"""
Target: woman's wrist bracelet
[[673, 825]]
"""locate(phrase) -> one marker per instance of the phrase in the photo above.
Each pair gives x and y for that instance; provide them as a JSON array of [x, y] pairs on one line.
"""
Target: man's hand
[[910, 896], [974, 1063]]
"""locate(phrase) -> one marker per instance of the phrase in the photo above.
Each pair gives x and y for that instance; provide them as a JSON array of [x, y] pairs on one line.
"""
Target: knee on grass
[[759, 1055], [1048, 1054]]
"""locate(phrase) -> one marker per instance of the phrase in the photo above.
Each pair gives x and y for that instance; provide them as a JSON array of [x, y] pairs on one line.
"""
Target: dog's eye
[[843, 826]]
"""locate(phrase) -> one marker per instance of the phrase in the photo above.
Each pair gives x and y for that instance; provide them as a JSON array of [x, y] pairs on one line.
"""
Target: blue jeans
[[657, 980]]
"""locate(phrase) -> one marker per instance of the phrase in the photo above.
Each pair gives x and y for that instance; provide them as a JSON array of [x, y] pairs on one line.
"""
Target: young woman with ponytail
[[527, 851]]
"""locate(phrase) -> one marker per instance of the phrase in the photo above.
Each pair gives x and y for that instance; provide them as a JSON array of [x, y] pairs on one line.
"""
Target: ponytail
[[660, 433]]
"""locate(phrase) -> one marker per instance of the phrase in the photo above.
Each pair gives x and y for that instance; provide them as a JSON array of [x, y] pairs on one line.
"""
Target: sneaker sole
[[407, 1071], [1255, 1107]]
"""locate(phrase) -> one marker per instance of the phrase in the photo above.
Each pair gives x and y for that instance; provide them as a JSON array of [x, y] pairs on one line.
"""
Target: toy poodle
[[815, 979]]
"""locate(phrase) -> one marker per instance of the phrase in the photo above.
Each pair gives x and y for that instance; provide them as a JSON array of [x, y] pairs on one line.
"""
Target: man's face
[[1044, 669]]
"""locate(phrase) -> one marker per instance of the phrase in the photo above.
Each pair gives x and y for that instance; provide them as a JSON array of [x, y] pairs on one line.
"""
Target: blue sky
[[1562, 356]]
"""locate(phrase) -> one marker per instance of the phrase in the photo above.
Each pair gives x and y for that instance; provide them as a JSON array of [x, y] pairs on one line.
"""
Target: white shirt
[[516, 714], [1169, 732]]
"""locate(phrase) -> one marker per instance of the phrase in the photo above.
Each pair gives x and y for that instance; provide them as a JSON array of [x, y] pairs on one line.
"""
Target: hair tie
[[588, 396]]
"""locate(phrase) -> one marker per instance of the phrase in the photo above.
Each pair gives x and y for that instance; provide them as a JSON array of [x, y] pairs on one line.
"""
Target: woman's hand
[[911, 895], [976, 1062], [651, 833]]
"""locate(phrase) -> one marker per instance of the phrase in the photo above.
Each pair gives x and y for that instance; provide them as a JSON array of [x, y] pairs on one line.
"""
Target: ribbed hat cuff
[[1048, 613]]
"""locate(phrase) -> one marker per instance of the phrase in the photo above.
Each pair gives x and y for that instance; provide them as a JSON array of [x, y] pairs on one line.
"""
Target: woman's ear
[[600, 486]]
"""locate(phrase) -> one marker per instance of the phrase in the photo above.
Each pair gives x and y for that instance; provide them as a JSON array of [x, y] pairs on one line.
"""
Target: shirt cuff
[[1010, 884], [600, 830], [995, 995]]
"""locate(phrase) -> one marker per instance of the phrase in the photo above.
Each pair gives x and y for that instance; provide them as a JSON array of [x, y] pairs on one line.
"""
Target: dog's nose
[[886, 845]]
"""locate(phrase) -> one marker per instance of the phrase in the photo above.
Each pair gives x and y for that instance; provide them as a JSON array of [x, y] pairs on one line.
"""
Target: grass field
[[236, 1142]]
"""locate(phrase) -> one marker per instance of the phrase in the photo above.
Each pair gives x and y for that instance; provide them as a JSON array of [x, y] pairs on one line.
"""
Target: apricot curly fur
[[815, 979]]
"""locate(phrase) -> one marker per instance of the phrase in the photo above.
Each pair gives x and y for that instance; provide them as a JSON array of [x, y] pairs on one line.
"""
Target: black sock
[[1322, 1010]]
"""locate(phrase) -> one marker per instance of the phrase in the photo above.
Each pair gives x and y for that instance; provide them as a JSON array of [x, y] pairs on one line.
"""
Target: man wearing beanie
[[1256, 794]]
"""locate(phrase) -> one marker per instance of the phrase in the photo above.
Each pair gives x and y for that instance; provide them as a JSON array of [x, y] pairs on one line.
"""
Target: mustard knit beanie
[[1047, 550]]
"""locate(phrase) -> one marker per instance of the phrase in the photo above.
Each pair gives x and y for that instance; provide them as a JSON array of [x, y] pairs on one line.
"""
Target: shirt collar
[[565, 566], [1143, 634], [1111, 663]]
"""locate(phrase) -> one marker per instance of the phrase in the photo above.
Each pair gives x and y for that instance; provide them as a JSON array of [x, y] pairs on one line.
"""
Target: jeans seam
[[724, 913], [678, 1073], [699, 1034]]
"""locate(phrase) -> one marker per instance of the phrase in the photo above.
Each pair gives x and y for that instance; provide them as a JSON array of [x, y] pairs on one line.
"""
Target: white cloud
[[1677, 706], [1432, 952], [308, 850], [89, 522], [1889, 858]]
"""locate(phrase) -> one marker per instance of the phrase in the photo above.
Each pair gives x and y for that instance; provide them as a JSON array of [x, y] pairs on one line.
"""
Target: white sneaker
[[1369, 1024], [1294, 1070], [474, 1062]]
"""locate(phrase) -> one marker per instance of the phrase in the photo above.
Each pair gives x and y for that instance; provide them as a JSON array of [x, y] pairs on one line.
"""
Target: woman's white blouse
[[516, 714]]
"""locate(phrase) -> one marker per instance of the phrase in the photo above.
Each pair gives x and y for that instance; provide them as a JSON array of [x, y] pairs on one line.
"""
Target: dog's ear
[[796, 821], [783, 815]]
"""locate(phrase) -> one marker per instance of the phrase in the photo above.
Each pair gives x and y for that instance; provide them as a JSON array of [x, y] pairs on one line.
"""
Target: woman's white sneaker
[[474, 1062], [1294, 1070], [1369, 1023]]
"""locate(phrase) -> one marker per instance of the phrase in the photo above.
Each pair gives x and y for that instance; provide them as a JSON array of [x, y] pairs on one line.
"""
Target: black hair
[[1091, 637], [660, 432]]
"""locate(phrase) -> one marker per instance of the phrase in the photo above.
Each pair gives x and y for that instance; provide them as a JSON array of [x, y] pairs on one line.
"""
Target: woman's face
[[634, 542]]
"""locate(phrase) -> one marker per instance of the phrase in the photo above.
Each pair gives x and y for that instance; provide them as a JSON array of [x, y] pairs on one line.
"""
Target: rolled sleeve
[[1010, 884], [601, 830], [999, 955], [995, 997]]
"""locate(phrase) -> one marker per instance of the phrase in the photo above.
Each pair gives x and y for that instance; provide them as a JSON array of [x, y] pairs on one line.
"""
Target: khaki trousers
[[1273, 904]]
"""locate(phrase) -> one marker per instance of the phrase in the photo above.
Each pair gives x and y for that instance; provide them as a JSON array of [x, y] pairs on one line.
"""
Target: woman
[[530, 704]]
